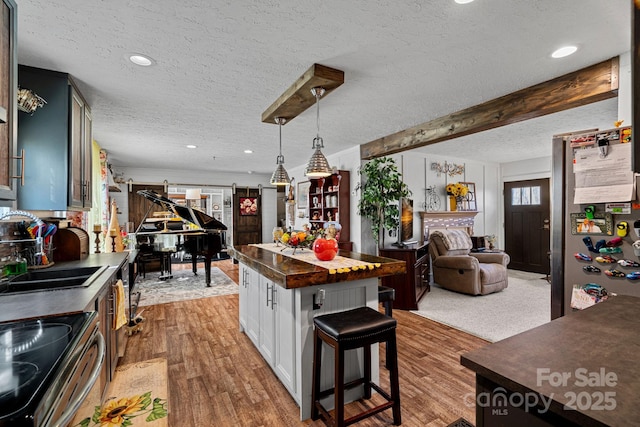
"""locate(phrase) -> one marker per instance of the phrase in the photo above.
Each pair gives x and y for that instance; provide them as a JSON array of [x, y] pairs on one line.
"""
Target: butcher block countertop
[[28, 305], [290, 272]]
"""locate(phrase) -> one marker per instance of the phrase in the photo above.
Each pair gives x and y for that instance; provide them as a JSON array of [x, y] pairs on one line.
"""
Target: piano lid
[[194, 216]]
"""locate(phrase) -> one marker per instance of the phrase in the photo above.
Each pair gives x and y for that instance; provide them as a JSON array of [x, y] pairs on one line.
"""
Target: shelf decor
[[450, 169], [468, 202], [456, 192]]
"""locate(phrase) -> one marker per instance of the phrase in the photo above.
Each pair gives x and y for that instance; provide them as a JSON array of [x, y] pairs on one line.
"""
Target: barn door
[[139, 205], [247, 216]]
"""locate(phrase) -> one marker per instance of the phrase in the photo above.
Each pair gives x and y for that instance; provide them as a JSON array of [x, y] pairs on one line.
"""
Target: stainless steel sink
[[39, 280]]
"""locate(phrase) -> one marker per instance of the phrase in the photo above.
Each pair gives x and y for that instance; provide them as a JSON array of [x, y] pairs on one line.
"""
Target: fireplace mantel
[[446, 219]]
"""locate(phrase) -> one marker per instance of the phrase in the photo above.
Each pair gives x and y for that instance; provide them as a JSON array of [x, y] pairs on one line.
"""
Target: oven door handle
[[75, 404]]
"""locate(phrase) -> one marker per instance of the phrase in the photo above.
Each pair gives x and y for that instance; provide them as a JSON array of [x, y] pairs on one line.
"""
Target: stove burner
[[15, 375], [30, 337]]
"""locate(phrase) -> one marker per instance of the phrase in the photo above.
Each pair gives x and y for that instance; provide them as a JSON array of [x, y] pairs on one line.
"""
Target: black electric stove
[[33, 355]]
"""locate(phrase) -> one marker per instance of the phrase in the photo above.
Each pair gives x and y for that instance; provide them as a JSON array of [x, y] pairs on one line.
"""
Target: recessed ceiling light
[[142, 60], [248, 151], [564, 51], [463, 1], [192, 146], [249, 172]]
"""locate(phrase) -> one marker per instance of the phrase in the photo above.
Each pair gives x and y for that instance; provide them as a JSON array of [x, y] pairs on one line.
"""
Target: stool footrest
[[368, 413]]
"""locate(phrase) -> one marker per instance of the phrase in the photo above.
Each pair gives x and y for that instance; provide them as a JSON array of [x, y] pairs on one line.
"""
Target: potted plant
[[380, 191]]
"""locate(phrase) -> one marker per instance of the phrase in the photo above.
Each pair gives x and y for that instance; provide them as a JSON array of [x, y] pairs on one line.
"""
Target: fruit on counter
[[293, 240], [285, 238], [325, 249]]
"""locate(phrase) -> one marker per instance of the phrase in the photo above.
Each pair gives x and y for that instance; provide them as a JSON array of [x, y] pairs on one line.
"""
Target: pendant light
[[280, 175], [318, 166]]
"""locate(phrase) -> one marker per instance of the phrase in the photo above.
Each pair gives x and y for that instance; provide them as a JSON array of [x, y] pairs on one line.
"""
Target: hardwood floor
[[217, 377]]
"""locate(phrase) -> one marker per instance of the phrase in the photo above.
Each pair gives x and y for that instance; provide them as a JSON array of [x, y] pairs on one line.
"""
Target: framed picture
[[602, 223], [469, 201], [303, 194], [406, 219], [248, 206]]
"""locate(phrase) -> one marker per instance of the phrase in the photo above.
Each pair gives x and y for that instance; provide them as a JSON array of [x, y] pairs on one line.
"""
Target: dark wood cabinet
[[412, 285], [56, 140], [329, 200], [8, 99]]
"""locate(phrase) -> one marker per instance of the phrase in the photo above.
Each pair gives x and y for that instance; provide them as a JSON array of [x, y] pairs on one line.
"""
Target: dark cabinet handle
[[21, 158]]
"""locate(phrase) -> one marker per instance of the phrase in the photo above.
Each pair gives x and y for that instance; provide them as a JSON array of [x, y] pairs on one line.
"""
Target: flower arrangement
[[125, 238], [456, 189]]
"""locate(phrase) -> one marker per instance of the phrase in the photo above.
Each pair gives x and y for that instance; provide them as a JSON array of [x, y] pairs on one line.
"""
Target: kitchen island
[[281, 293], [578, 370]]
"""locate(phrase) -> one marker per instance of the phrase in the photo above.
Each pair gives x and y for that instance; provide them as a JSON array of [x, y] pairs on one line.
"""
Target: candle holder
[[97, 241]]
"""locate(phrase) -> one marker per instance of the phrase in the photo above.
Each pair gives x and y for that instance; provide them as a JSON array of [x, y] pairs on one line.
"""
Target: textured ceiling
[[220, 64]]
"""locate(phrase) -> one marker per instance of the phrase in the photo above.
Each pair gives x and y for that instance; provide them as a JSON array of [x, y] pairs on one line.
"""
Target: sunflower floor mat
[[137, 397]]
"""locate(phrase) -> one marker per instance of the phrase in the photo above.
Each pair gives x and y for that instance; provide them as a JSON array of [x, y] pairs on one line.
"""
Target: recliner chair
[[458, 269]]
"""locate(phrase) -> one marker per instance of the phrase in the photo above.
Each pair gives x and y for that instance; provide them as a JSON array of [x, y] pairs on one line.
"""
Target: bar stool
[[386, 295], [347, 330]]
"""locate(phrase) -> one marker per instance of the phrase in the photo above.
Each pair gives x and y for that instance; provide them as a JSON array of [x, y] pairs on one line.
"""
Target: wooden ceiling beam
[[595, 83], [298, 97]]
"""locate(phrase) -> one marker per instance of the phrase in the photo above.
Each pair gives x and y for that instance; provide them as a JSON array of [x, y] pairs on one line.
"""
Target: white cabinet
[[285, 339], [267, 317], [253, 306], [242, 296], [267, 335]]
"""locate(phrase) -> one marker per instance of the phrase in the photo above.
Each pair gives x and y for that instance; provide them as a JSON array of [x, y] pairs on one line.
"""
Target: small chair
[[347, 330], [458, 269], [386, 295]]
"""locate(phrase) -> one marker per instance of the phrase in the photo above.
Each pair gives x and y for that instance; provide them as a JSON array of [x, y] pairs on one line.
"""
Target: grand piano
[[205, 238]]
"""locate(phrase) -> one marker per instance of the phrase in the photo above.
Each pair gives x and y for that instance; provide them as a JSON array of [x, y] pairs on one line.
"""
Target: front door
[[527, 225]]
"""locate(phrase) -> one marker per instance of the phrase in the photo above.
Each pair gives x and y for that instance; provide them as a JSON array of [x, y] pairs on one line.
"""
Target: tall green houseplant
[[380, 192]]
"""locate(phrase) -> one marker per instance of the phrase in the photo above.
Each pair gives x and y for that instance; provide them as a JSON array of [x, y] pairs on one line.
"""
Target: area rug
[[176, 258], [183, 286], [523, 305], [137, 397]]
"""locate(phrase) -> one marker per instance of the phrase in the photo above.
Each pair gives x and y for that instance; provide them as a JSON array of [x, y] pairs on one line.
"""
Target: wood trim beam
[[595, 83], [298, 97]]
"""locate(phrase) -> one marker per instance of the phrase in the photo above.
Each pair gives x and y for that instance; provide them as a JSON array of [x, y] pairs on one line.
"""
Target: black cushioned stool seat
[[347, 330]]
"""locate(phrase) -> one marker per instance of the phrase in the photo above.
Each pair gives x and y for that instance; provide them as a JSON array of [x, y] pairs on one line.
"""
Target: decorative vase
[[453, 204]]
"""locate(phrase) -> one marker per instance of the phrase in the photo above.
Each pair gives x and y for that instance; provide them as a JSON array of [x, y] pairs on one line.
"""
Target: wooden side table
[[412, 285]]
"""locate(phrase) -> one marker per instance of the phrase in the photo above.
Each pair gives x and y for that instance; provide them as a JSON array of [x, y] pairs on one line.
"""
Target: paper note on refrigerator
[[603, 179]]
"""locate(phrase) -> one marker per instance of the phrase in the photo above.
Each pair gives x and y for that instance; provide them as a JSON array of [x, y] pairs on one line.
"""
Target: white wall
[[418, 175]]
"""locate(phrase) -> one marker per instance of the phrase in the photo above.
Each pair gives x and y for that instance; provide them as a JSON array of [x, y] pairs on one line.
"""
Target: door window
[[525, 196]]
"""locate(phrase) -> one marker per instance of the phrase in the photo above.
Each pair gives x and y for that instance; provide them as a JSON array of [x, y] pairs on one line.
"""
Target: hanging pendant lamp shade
[[280, 175], [318, 166]]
